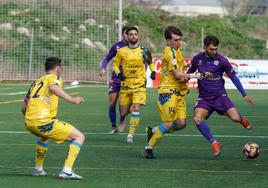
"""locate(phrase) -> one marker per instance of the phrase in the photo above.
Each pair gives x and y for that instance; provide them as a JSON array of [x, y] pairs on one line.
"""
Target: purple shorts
[[219, 104], [114, 86]]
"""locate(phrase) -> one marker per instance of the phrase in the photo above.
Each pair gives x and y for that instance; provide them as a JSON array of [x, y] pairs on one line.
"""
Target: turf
[[183, 159]]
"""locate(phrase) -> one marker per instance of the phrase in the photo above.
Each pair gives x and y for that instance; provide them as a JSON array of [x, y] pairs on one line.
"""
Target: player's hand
[[102, 72], [121, 76], [152, 76], [197, 75], [187, 64], [78, 100], [250, 100]]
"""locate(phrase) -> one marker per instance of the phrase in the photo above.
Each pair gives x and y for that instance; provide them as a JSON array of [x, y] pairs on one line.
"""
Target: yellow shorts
[[137, 96], [56, 130], [171, 106]]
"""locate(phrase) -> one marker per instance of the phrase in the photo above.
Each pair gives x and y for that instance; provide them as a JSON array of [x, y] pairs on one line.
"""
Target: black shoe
[[149, 133], [148, 153]]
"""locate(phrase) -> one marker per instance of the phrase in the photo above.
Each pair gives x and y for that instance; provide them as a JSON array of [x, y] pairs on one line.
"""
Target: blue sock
[[112, 115], [205, 131], [163, 129]]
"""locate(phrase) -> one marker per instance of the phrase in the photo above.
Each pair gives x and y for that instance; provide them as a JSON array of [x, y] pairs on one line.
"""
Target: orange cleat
[[246, 124], [216, 148]]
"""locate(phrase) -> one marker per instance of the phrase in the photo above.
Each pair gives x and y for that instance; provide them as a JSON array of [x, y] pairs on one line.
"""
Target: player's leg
[[138, 99], [112, 110], [155, 135], [124, 111], [77, 140], [60, 132], [41, 150], [167, 104], [41, 147], [233, 114], [199, 117], [180, 122], [134, 121], [122, 124], [114, 89]]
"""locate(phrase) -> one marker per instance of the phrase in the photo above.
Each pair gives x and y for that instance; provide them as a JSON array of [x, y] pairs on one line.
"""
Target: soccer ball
[[251, 150]]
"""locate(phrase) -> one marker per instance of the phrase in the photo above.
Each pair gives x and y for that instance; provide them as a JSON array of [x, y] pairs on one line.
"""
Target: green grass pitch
[[183, 159]]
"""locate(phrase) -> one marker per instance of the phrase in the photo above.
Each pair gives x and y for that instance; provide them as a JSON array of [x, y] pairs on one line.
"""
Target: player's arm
[[62, 94], [107, 59], [177, 72], [240, 88], [149, 61], [23, 107], [116, 66], [232, 75], [25, 102]]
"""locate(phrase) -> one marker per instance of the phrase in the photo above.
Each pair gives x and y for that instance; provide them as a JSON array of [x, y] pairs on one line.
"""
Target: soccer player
[[40, 108], [172, 91], [133, 60], [212, 94], [114, 85]]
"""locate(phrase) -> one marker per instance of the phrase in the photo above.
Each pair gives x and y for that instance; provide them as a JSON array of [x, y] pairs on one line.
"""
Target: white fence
[[77, 31]]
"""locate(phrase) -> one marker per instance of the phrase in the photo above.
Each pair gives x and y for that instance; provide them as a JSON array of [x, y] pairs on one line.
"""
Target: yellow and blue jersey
[[133, 62], [172, 60], [42, 104]]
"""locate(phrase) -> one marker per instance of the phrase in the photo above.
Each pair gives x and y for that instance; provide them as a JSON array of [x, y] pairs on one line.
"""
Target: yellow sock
[[157, 136], [74, 149], [41, 150], [134, 122]]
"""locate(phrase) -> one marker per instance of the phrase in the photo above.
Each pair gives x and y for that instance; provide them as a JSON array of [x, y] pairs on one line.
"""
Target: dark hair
[[172, 30], [124, 29], [51, 63], [132, 28], [210, 39]]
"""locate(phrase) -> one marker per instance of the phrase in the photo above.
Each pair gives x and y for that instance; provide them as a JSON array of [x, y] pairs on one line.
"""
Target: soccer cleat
[[216, 148], [122, 126], [148, 153], [71, 176], [130, 139], [149, 133], [246, 124], [37, 172], [113, 131]]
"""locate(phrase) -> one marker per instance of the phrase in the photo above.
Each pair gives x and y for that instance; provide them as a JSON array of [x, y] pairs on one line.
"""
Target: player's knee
[[112, 104], [78, 136], [198, 120], [181, 124], [235, 118], [136, 108]]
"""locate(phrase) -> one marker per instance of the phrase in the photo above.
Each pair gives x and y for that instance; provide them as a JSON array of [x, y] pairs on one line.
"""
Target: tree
[[241, 7]]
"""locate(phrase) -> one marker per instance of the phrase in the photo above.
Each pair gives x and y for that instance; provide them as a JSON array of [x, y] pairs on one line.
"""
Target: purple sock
[[112, 115], [205, 131]]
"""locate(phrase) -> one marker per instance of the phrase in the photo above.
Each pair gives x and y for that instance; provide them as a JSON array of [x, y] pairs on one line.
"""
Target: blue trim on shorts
[[42, 144], [77, 144], [163, 129]]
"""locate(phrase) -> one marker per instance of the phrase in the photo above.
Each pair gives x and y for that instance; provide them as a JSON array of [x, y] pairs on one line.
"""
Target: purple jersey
[[111, 55], [213, 68]]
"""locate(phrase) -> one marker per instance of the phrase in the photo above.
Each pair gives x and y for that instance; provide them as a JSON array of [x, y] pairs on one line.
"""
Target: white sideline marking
[[24, 92], [145, 169], [172, 135]]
